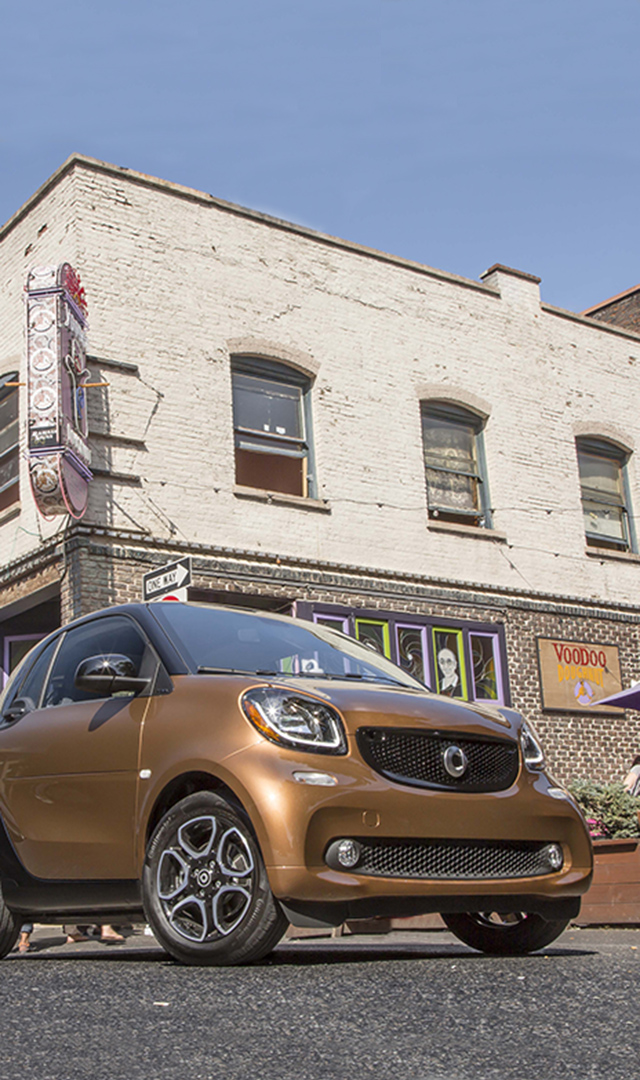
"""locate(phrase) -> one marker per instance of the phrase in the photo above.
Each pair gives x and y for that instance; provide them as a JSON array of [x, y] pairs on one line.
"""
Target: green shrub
[[610, 811]]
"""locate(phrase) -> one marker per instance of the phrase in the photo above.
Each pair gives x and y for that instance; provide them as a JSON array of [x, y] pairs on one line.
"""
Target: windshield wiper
[[348, 675], [203, 670]]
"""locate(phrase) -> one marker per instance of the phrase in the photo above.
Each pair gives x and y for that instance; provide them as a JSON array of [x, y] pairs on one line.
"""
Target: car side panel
[[68, 787]]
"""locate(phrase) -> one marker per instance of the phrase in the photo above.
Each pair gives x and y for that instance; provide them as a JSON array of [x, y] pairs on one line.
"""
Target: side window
[[29, 683], [604, 493], [114, 634], [272, 427], [16, 647], [454, 464], [9, 440]]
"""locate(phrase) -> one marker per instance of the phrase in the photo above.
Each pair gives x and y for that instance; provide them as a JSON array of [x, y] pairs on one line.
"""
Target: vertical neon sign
[[59, 454]]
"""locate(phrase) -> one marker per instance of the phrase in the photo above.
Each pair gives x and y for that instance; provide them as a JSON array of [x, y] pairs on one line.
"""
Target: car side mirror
[[108, 674]]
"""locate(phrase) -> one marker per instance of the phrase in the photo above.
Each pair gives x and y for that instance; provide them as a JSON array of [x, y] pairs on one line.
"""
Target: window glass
[[375, 634], [16, 648], [114, 634], [484, 661], [412, 651], [227, 640], [603, 495], [334, 622], [465, 661], [267, 406], [9, 439], [451, 460], [30, 686], [8, 420], [271, 427]]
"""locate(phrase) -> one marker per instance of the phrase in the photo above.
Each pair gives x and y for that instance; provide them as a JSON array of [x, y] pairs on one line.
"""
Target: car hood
[[381, 705]]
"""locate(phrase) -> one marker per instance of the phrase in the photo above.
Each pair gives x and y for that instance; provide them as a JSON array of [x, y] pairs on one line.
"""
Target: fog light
[[348, 852], [555, 856]]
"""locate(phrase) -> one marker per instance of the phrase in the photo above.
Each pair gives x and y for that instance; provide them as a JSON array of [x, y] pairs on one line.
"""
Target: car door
[[69, 765]]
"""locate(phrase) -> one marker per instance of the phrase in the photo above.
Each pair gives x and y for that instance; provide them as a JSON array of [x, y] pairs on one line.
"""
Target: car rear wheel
[[505, 934], [9, 928], [205, 889]]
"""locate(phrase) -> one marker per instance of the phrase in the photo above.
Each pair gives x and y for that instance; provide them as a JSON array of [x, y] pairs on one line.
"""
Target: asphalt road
[[407, 1006]]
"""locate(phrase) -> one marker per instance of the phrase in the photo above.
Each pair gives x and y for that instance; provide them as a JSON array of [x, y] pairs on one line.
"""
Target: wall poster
[[576, 675]]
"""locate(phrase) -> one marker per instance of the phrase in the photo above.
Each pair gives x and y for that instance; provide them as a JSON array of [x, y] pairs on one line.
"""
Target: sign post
[[170, 582]]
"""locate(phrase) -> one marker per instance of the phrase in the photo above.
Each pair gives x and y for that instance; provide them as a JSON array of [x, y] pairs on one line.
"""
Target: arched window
[[9, 441], [454, 464], [605, 494], [272, 427]]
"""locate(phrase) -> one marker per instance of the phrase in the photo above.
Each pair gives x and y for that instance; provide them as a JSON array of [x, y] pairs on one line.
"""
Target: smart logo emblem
[[455, 762]]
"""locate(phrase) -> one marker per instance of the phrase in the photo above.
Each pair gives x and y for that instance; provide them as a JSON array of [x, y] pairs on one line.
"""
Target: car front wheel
[[505, 934], [205, 889]]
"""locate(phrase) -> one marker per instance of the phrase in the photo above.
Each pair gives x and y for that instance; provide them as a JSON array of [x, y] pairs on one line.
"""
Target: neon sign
[[59, 454]]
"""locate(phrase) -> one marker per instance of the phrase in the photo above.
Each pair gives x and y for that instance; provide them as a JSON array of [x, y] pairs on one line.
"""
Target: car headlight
[[295, 720], [532, 752]]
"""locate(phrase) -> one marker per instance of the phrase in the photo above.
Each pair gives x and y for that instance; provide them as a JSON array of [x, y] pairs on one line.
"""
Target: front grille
[[457, 860], [416, 757]]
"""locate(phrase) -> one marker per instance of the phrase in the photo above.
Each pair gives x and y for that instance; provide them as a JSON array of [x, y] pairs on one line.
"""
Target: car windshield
[[218, 640]]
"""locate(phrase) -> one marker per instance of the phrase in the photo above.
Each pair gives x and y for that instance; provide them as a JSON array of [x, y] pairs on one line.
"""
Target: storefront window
[[412, 651], [485, 663], [464, 660], [375, 634]]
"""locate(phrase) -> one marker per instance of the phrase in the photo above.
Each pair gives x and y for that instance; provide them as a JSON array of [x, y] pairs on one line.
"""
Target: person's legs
[[23, 941], [107, 933], [75, 933]]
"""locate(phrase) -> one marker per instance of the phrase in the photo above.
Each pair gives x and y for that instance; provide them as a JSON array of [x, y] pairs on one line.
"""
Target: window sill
[[466, 530], [10, 512], [280, 499], [610, 553]]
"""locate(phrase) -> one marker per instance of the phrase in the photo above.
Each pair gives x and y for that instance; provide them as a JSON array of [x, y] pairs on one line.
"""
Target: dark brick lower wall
[[577, 745]]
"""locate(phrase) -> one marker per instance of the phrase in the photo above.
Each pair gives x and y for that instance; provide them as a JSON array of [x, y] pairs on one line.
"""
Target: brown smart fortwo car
[[221, 773]]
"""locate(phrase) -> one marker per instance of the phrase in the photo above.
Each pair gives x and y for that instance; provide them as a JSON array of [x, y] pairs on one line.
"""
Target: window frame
[[13, 450], [597, 446], [8, 640], [464, 418], [278, 372]]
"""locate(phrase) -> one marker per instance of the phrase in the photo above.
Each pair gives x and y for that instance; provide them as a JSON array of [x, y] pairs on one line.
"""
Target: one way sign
[[170, 582]]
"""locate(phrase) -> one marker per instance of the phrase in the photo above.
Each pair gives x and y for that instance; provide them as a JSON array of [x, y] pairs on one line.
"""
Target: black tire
[[204, 886], [9, 928], [505, 935]]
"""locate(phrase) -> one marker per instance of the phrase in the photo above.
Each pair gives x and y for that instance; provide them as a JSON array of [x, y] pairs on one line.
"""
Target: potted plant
[[613, 817], [610, 811]]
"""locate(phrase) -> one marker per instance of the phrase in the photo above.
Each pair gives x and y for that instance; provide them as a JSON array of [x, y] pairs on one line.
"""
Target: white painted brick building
[[181, 286]]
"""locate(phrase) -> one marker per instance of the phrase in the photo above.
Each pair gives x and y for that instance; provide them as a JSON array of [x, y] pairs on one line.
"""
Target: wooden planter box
[[614, 897]]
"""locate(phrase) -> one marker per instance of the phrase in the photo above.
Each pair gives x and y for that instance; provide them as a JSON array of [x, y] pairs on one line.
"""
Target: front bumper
[[296, 823]]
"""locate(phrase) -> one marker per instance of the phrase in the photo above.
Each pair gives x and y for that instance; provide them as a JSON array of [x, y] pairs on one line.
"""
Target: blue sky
[[455, 132]]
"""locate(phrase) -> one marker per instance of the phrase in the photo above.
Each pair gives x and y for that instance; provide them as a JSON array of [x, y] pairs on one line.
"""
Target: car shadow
[[299, 954]]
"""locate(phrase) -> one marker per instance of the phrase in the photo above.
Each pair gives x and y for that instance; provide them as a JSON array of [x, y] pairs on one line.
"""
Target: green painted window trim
[[386, 637]]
